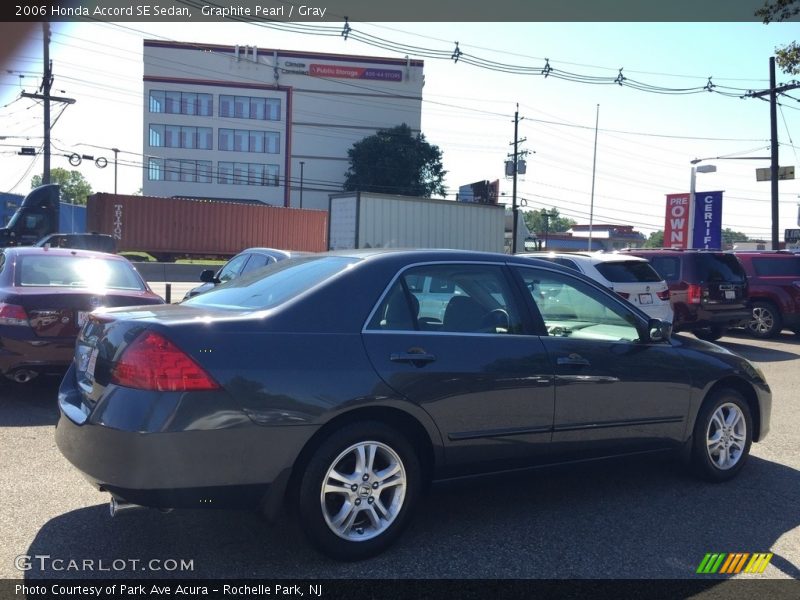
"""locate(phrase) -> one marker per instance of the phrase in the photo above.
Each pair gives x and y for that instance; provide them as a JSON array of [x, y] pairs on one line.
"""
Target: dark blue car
[[343, 383]]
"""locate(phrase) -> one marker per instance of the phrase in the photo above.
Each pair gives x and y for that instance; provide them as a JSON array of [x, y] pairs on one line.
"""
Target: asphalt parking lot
[[632, 519]]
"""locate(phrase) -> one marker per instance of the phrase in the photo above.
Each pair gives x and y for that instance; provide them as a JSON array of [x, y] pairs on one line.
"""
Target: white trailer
[[369, 220]]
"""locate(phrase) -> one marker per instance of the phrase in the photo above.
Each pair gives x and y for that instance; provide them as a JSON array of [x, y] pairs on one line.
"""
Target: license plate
[[730, 295], [645, 298], [92, 363], [82, 316]]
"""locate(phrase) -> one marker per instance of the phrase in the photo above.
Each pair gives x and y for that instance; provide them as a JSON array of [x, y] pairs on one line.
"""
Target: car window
[[256, 262], [232, 268], [71, 271], [777, 267], [570, 308], [274, 286], [715, 268], [465, 298], [669, 267], [564, 262], [629, 271]]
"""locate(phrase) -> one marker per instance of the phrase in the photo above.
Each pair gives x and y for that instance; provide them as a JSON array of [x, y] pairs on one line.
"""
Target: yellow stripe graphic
[[758, 563]]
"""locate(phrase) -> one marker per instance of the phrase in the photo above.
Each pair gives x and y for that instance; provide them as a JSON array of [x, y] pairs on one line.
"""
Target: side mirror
[[658, 330], [207, 276]]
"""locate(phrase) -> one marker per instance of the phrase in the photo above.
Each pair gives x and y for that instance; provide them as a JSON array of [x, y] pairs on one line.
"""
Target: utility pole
[[47, 83], [515, 157], [773, 92]]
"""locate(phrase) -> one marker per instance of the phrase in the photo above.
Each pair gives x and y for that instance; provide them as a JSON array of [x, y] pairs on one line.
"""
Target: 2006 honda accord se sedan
[[341, 384]]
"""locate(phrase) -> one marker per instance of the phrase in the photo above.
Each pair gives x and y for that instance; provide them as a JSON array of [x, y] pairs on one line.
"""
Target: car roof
[[593, 257], [54, 251]]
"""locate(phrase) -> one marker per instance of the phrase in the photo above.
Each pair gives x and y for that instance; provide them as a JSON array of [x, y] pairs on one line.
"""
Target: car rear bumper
[[694, 317], [178, 458], [31, 352]]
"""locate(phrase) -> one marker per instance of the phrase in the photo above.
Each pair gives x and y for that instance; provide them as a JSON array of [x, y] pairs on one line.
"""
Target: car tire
[[723, 433], [767, 321], [711, 333], [373, 479]]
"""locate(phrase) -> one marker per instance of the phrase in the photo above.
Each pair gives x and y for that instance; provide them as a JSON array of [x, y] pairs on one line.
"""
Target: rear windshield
[[714, 268], [777, 267], [77, 271], [632, 271], [271, 286]]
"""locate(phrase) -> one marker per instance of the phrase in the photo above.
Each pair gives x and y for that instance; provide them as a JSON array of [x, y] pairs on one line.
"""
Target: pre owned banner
[[707, 220], [676, 225]]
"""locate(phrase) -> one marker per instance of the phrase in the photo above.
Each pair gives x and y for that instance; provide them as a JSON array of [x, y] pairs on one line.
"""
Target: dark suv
[[774, 282], [708, 290]]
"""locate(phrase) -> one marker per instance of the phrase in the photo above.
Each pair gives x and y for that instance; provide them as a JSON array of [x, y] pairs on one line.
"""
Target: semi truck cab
[[36, 217]]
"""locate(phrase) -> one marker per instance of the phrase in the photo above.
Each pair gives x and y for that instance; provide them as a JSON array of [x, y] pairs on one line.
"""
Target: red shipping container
[[172, 227]]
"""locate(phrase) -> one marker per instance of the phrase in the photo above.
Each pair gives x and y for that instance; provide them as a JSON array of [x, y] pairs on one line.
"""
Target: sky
[[645, 140]]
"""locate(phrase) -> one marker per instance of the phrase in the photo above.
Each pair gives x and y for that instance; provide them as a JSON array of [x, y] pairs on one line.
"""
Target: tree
[[74, 188], [787, 57], [539, 221], [394, 161], [656, 240], [730, 237]]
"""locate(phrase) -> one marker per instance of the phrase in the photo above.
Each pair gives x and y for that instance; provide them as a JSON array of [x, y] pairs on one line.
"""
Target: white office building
[[274, 126]]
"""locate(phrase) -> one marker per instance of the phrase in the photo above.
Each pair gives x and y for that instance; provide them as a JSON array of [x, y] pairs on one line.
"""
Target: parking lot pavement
[[639, 518]]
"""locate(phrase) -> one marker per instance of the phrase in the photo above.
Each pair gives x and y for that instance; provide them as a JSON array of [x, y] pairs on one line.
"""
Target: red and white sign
[[676, 225]]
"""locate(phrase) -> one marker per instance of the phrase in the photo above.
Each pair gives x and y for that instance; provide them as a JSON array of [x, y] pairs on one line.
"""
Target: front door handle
[[573, 360], [418, 358]]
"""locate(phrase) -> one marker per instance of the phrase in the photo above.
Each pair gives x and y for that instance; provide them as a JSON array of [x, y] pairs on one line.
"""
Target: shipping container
[[368, 220], [168, 228]]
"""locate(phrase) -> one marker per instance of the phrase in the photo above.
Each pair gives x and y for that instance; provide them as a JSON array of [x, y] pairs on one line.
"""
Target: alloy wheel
[[726, 436], [363, 491]]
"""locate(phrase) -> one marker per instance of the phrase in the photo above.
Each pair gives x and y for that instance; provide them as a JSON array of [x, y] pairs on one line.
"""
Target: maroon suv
[[774, 281]]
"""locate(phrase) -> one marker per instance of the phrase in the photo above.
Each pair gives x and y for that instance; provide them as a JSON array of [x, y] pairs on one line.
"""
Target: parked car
[[708, 290], [324, 383], [99, 242], [46, 295], [774, 286], [244, 262], [631, 277]]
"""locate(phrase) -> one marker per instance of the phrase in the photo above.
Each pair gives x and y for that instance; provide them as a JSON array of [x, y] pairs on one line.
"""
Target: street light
[[692, 185]]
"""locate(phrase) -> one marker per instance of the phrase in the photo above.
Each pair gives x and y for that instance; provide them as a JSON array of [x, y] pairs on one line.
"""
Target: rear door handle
[[573, 360], [418, 359]]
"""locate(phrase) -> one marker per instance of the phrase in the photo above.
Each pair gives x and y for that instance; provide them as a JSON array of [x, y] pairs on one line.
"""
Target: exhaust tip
[[117, 507], [23, 375]]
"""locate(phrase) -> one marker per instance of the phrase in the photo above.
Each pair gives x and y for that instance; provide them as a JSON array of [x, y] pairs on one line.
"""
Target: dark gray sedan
[[341, 384]]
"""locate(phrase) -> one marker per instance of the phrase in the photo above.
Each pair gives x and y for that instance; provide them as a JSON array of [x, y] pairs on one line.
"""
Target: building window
[[243, 140], [181, 103], [190, 171], [155, 169], [177, 136], [240, 173], [247, 107]]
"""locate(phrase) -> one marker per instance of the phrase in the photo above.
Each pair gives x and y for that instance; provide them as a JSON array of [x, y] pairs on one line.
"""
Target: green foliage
[[539, 221], [778, 10], [787, 57], [729, 236], [394, 161], [74, 188], [655, 240]]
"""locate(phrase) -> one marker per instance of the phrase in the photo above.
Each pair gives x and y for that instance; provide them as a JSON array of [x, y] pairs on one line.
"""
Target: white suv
[[629, 276]]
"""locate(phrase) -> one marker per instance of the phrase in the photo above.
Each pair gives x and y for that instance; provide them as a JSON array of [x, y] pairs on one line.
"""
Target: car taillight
[[663, 295], [625, 295], [694, 293], [12, 314], [152, 362]]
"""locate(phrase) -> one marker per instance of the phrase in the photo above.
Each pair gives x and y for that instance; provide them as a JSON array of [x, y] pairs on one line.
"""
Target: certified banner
[[676, 225], [707, 220]]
